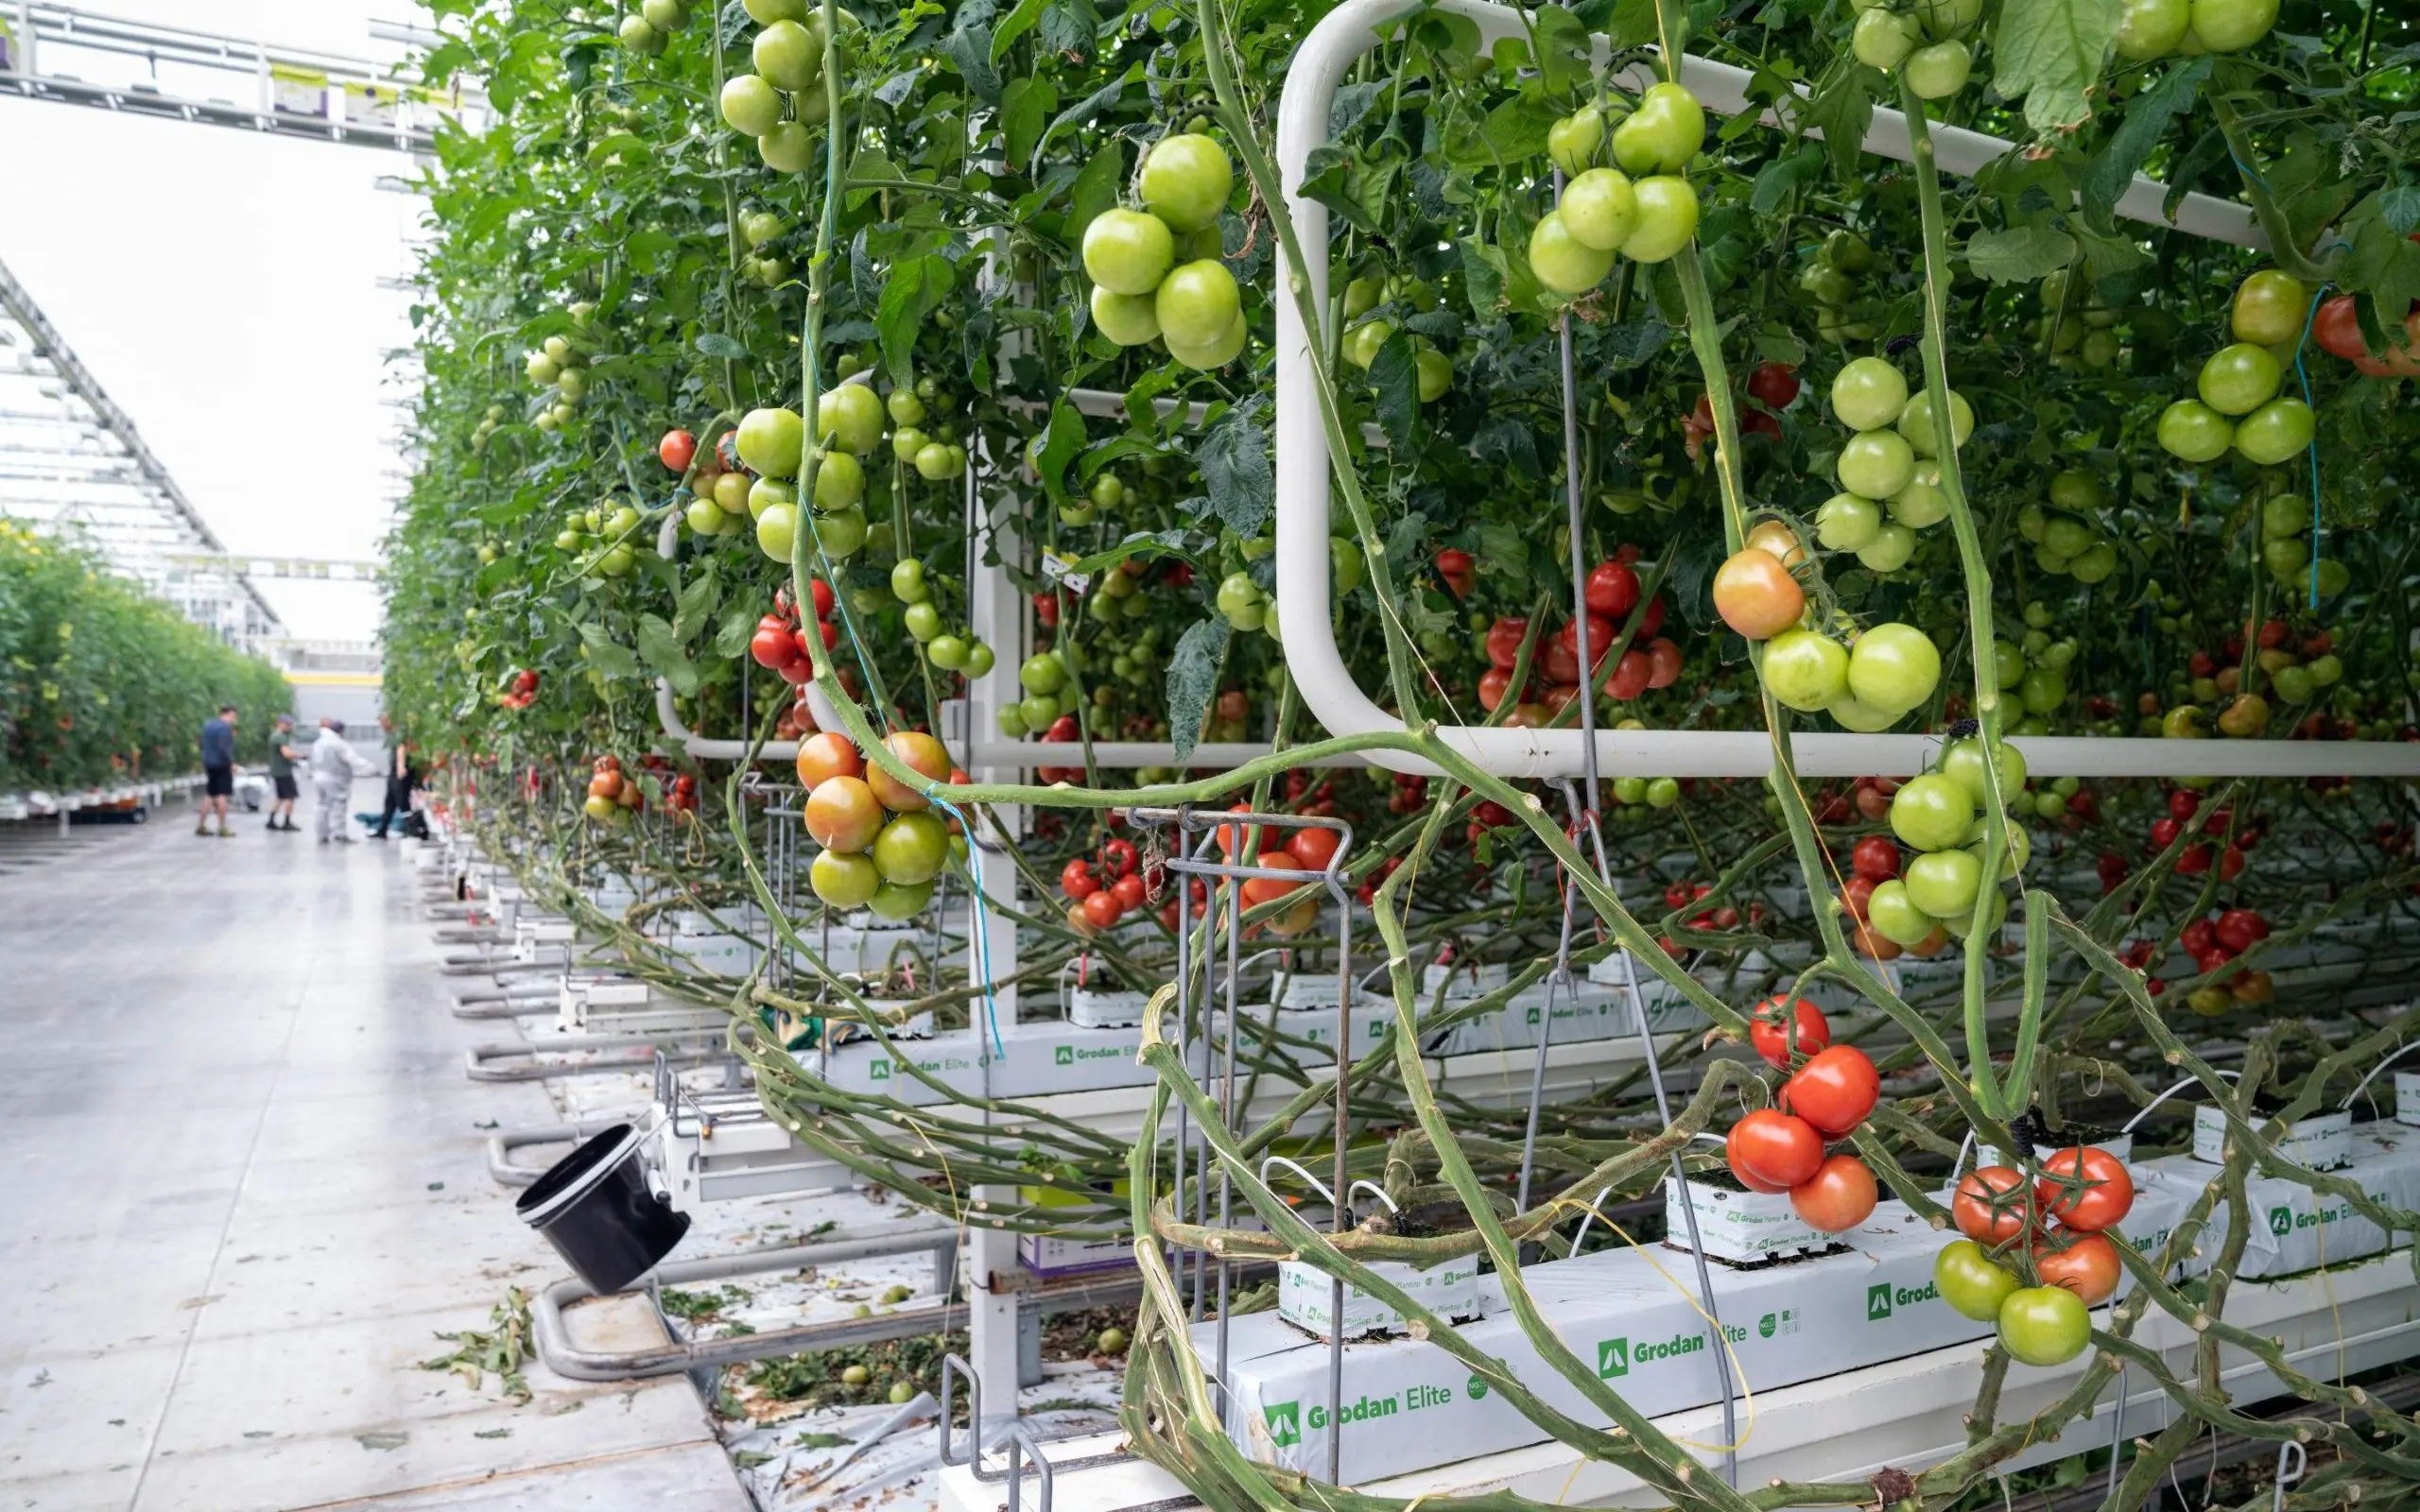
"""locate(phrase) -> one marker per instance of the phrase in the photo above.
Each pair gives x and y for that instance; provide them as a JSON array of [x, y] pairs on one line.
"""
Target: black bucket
[[595, 1208]]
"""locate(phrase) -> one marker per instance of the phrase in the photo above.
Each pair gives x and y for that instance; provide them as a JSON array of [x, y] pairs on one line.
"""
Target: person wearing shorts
[[283, 754], [217, 769]]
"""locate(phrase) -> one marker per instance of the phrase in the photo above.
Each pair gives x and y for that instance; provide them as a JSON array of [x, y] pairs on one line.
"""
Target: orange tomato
[[923, 755], [828, 755]]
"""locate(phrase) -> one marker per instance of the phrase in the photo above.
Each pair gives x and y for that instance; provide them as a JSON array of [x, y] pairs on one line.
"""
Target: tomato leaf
[[1563, 47], [1063, 439], [2020, 256], [1484, 271], [1193, 674], [1841, 108], [1025, 105], [1013, 25], [661, 649], [714, 344], [969, 47], [607, 657], [914, 290], [2050, 53], [2148, 117], [1094, 190], [1395, 374], [1233, 457]]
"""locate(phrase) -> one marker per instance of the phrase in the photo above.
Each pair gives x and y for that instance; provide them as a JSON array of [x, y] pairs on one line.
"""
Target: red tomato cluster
[[780, 643], [1868, 799], [2184, 808], [1611, 592], [681, 799], [1457, 571], [1062, 730], [1107, 888], [612, 795], [1311, 798], [1408, 795], [522, 690], [1781, 1148], [2084, 1189]]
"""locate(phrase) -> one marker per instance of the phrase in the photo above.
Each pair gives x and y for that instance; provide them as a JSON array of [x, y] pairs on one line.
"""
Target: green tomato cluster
[[1156, 272], [2284, 523], [1641, 208], [1923, 42], [1366, 334], [1939, 815], [2238, 404], [560, 365], [1832, 282], [2157, 28], [2066, 536], [611, 530], [782, 102], [1888, 467], [646, 30]]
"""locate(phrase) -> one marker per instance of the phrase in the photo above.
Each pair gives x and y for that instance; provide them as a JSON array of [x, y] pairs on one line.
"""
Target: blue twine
[[2317, 531]]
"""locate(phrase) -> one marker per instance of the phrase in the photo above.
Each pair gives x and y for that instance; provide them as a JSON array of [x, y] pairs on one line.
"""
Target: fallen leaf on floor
[[381, 1438]]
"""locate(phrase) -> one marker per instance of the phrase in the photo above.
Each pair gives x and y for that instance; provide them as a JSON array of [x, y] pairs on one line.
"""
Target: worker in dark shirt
[[217, 769], [283, 754]]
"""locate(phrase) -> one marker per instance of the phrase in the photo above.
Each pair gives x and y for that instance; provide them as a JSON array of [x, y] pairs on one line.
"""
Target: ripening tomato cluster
[[1283, 850], [2239, 405], [2213, 941], [1680, 895], [779, 645], [1833, 1089], [1612, 593], [1107, 887], [521, 689], [1940, 815], [613, 795], [2052, 1226], [882, 844], [1407, 792]]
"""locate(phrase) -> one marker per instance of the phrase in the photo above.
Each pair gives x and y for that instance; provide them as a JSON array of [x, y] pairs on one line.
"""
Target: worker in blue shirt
[[217, 769]]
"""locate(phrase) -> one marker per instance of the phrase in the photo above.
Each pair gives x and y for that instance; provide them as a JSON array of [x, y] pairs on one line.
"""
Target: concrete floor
[[245, 1190]]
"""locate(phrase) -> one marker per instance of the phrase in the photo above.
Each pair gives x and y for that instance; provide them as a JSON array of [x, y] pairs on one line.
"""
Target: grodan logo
[[1285, 1423]]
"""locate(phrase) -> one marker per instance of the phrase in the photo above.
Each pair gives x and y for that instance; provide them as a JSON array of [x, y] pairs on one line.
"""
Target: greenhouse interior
[[1049, 756]]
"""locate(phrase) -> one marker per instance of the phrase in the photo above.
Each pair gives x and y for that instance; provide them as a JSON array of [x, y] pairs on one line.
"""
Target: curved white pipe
[[1302, 465]]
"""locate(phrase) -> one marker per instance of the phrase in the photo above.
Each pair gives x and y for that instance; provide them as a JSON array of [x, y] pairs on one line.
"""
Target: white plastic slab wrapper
[[2407, 1097], [1741, 1227], [2320, 1142], [1306, 1297], [1584, 1009], [1407, 1404]]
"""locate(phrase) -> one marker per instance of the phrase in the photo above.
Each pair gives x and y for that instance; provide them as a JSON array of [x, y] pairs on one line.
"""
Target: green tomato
[[1869, 394], [1667, 218], [850, 417], [934, 462], [1888, 550], [844, 881], [1572, 142], [1663, 133], [775, 529], [2275, 432], [765, 494], [2295, 685], [1931, 813], [1600, 209], [1630, 790], [639, 37], [2327, 670], [1128, 251], [1806, 670], [1362, 343], [1435, 373], [2269, 309], [1043, 674], [1846, 251], [2031, 522], [2282, 516], [903, 407], [1877, 464], [751, 105], [2067, 536], [1895, 917], [1663, 792], [1038, 710], [1186, 179], [979, 660], [1971, 1282], [2008, 663], [1883, 39], [2194, 432], [1948, 18], [1237, 594], [908, 441], [1893, 667], [1197, 303], [840, 481], [1922, 502], [911, 848], [2042, 690], [1362, 294], [1212, 354], [840, 533], [1563, 262], [897, 903], [788, 147], [1010, 720], [1847, 522], [1864, 718], [616, 561], [2240, 379], [2333, 577], [1943, 884], [1915, 421], [924, 621], [2152, 28], [771, 441], [2095, 565], [2044, 1325], [1344, 565], [1937, 71], [1961, 762], [947, 652], [2230, 26], [706, 518], [1129, 319]]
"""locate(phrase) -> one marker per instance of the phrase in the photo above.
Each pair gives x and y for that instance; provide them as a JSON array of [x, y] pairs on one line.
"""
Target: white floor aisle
[[244, 1189]]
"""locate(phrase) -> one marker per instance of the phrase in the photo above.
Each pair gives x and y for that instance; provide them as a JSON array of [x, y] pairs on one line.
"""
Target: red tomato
[[1314, 848], [1102, 909], [1663, 664], [1631, 675], [1128, 891], [1773, 384], [773, 645], [2086, 1189], [676, 449], [1045, 610], [1834, 1090], [1504, 640], [821, 591], [1839, 1197], [1267, 890], [2339, 329], [1974, 1207], [1613, 590], [826, 755], [1455, 562], [1854, 893], [1493, 684], [1118, 855], [2089, 1266], [1759, 423], [1875, 858], [1652, 620], [1770, 1033], [1077, 881], [2198, 937], [1231, 841], [1773, 1148]]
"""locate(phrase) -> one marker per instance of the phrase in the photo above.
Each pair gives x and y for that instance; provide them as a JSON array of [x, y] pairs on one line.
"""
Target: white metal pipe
[[1308, 637]]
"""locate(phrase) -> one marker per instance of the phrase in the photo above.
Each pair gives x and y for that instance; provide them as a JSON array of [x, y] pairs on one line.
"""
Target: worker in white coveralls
[[333, 765]]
